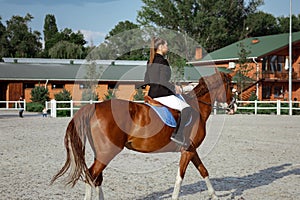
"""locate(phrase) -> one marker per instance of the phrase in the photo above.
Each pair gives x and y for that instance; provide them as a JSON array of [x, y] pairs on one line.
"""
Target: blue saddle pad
[[165, 115]]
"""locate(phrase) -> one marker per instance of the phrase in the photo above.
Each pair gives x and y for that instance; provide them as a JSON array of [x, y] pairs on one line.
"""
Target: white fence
[[53, 106], [11, 105], [253, 106], [277, 108]]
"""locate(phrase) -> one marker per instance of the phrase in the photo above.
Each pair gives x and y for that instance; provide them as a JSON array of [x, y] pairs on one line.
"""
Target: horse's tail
[[77, 130]]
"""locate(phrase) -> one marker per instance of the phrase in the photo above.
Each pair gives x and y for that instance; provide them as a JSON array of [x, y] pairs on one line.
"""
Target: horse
[[112, 125]]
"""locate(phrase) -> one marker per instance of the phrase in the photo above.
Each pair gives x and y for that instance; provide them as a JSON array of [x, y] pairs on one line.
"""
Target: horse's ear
[[233, 73], [216, 70]]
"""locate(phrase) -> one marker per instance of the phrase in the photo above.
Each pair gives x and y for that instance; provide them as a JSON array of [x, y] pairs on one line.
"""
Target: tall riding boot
[[178, 135]]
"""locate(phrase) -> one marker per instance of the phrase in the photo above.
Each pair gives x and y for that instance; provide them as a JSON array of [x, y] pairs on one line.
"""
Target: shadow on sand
[[235, 186]]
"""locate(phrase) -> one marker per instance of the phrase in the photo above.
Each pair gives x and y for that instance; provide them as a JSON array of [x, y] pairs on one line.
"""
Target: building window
[[280, 63], [58, 86], [111, 86], [83, 86], [278, 92], [266, 92], [29, 85]]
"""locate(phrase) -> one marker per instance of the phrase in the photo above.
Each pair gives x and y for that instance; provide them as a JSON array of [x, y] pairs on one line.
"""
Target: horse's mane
[[207, 83]]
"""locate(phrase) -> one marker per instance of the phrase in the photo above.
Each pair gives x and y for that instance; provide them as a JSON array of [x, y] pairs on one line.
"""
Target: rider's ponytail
[[155, 42]]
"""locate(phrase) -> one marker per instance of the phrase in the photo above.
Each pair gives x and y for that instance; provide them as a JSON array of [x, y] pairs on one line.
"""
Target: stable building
[[268, 58], [18, 76]]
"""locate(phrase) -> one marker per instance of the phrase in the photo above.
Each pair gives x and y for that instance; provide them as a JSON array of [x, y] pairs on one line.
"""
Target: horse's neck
[[205, 106]]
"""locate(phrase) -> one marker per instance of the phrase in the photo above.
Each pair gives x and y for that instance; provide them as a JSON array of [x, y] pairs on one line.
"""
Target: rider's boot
[[178, 135]]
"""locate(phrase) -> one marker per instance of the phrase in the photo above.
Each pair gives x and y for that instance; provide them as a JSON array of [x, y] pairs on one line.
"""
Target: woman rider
[[157, 76]]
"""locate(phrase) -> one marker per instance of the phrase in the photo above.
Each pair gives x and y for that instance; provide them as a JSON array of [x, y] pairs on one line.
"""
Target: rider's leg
[[178, 135]]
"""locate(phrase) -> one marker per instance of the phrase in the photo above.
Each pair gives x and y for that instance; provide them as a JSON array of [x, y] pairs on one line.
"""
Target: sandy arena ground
[[255, 157]]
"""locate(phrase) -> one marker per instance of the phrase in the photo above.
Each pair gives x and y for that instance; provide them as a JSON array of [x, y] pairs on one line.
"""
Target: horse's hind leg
[[97, 178], [204, 173]]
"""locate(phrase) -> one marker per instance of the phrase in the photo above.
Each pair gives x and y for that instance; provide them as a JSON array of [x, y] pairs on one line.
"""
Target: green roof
[[264, 46], [69, 72]]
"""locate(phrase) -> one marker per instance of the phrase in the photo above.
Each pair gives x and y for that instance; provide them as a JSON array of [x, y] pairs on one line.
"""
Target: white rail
[[244, 105], [53, 106], [11, 105]]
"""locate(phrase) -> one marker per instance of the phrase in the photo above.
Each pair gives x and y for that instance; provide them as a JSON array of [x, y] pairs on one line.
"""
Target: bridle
[[228, 83]]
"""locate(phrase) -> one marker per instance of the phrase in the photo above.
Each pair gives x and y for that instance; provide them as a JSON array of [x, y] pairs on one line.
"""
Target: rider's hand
[[178, 89]]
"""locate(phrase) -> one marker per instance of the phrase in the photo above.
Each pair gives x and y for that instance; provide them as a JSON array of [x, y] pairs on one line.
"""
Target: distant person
[[233, 104], [21, 106], [44, 112]]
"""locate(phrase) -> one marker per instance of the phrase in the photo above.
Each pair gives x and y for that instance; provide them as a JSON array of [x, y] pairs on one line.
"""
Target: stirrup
[[180, 142]]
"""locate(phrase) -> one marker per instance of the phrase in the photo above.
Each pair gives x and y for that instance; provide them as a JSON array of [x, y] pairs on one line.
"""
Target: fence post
[[278, 107], [255, 107], [91, 101], [53, 108], [24, 102], [71, 107], [290, 107], [215, 107]]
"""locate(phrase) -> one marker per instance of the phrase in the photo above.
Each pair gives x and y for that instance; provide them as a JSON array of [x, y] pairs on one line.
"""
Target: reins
[[198, 95]]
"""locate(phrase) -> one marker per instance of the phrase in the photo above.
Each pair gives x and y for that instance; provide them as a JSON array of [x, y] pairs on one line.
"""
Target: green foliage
[[34, 107], [253, 97], [139, 96], [64, 95], [212, 23], [92, 75], [89, 94], [110, 94], [244, 67], [50, 32], [40, 95], [124, 42], [260, 23], [4, 43], [22, 41], [65, 50], [284, 23]]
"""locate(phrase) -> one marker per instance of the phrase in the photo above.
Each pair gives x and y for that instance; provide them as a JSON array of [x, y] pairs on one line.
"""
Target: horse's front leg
[[184, 161], [88, 192], [99, 193], [204, 173]]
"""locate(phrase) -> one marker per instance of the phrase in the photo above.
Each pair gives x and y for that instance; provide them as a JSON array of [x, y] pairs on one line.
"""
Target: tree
[[64, 95], [50, 32], [110, 94], [23, 42], [63, 44], [4, 44], [39, 95], [243, 67], [65, 49], [284, 24], [123, 42], [92, 76], [259, 24], [139, 95], [212, 23]]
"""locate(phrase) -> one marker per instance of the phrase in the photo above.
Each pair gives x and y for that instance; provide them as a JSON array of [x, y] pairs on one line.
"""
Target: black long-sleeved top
[[157, 76]]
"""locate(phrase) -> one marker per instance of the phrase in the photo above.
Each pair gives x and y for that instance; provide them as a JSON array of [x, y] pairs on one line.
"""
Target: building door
[[15, 90], [3, 89]]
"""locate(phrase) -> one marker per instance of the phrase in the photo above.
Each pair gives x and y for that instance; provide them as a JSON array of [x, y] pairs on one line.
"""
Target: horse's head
[[223, 93], [216, 87]]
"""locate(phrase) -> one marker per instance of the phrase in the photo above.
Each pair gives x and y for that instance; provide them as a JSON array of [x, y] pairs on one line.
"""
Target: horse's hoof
[[214, 197]]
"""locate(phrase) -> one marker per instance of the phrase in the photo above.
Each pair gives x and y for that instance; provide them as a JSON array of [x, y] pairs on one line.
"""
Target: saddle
[[168, 115]]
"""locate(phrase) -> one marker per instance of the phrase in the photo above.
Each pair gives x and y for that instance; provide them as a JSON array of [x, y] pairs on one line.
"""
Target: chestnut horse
[[112, 125]]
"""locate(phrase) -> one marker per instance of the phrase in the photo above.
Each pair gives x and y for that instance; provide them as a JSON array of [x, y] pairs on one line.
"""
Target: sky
[[95, 18]]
